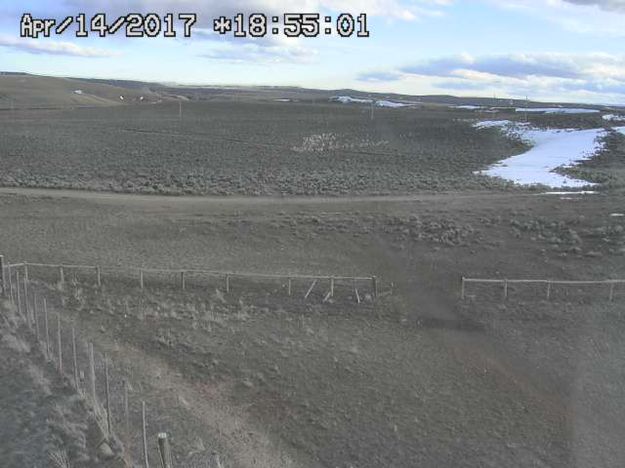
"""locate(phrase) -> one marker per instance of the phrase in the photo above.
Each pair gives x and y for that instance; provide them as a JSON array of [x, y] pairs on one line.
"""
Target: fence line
[[61, 347], [549, 283], [227, 276]]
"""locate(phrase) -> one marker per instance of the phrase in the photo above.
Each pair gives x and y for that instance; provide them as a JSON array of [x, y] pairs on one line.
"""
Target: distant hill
[[31, 91], [22, 90]]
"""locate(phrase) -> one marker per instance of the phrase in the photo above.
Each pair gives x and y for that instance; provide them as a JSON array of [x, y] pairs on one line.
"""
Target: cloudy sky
[[565, 50]]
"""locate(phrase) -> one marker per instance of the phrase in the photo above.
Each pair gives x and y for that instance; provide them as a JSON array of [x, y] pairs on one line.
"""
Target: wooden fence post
[[98, 274], [4, 280], [76, 384], [46, 326], [141, 278], [125, 402], [26, 307], [12, 296], [505, 289], [356, 292], [611, 291], [35, 316], [145, 436], [26, 271], [289, 286], [58, 333], [182, 282], [310, 289], [331, 287], [548, 290], [61, 275], [227, 283], [462, 286], [164, 450], [94, 396], [374, 286], [19, 295], [108, 396]]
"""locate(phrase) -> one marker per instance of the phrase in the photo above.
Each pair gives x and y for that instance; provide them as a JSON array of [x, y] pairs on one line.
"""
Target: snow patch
[[613, 118], [392, 104], [557, 110], [350, 100], [552, 148]]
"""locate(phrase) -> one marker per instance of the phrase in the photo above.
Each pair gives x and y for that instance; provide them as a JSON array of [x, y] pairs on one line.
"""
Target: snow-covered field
[[557, 110], [552, 148]]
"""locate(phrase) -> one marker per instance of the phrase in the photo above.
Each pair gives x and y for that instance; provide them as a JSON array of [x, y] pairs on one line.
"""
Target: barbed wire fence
[[125, 423], [545, 288], [126, 427]]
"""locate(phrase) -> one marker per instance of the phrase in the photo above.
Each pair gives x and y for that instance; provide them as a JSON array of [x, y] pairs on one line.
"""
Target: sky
[[557, 50]]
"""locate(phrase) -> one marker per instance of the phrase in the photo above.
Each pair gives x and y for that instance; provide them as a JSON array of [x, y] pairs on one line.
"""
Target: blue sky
[[565, 50]]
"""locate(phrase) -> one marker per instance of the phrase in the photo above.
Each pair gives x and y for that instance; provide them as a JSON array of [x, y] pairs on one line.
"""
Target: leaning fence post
[[94, 396], [331, 287], [75, 360], [46, 326], [164, 450], [145, 436], [108, 396], [4, 281], [310, 289], [58, 335]]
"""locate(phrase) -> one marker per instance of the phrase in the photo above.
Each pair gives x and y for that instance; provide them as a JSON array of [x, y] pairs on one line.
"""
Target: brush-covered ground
[[248, 148], [44, 422], [416, 378]]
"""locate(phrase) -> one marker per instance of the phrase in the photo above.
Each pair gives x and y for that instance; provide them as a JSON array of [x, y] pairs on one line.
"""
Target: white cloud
[[597, 77], [208, 9], [37, 46], [603, 18]]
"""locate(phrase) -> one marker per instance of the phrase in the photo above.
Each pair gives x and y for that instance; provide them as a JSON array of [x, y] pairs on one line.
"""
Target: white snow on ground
[[494, 123], [552, 148], [579, 192], [349, 100], [614, 118], [619, 129], [390, 104], [282, 100], [557, 110], [467, 107], [381, 103]]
